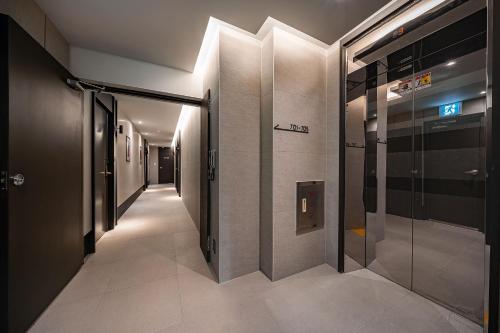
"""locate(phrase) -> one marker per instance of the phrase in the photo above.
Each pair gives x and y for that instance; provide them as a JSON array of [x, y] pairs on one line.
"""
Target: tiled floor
[[148, 275]]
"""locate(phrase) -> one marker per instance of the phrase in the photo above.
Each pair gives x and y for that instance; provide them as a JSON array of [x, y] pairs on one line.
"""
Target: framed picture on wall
[[127, 149]]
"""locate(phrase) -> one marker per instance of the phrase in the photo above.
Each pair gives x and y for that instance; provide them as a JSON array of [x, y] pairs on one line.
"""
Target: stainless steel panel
[[389, 226], [354, 217], [310, 214], [448, 229]]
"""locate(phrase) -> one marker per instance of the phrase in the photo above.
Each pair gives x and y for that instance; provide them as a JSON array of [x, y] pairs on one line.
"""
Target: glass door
[[449, 180], [415, 166]]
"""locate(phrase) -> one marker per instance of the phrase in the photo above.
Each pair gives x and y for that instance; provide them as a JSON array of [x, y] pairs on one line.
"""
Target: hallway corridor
[[148, 275]]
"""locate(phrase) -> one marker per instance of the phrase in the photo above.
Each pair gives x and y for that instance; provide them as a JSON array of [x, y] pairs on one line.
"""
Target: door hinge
[[4, 181]]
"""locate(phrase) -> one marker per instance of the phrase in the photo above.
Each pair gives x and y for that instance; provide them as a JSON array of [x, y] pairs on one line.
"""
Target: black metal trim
[[4, 166], [145, 163], [130, 200], [144, 93], [342, 102], [493, 178], [91, 237], [409, 27], [351, 40]]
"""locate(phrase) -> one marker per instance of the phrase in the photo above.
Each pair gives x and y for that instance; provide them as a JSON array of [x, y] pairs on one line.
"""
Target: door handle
[[106, 173], [473, 172], [17, 180]]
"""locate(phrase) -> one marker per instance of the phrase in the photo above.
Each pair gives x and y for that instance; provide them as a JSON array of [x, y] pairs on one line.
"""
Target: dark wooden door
[[165, 165], [204, 181], [101, 172], [41, 229], [146, 164], [104, 166], [178, 165]]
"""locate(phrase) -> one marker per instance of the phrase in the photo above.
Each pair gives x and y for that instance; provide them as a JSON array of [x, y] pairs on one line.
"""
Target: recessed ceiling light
[[451, 63], [483, 92], [139, 122]]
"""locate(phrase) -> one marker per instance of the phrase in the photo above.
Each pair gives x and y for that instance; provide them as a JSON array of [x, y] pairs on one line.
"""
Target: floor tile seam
[[137, 286]]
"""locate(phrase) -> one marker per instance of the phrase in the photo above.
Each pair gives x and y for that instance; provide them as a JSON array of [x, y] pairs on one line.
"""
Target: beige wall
[[332, 154], [233, 76], [32, 19], [299, 97], [153, 165], [266, 168], [211, 81], [239, 155], [130, 175], [190, 163]]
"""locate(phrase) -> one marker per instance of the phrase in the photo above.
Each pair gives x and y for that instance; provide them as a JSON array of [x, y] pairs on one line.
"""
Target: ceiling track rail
[[349, 41], [82, 85], [409, 27]]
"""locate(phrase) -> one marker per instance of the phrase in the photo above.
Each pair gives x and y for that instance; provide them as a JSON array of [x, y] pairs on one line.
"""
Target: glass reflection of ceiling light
[[391, 95], [483, 92], [451, 63]]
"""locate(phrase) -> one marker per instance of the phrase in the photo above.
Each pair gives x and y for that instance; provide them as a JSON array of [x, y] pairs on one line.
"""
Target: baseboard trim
[[127, 203], [89, 243]]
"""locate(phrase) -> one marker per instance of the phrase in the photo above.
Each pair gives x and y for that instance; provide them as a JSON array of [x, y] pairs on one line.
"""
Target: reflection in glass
[[415, 166]]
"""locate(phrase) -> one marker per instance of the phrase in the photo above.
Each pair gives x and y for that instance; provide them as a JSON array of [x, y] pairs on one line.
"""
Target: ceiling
[[155, 120], [170, 32]]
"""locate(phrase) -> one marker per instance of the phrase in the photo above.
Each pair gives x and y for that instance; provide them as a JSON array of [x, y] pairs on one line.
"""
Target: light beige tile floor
[[148, 275]]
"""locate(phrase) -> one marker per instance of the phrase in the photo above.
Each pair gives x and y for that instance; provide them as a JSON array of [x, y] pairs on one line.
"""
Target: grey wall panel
[[190, 165], [299, 98], [211, 81], [266, 168], [239, 155], [332, 155]]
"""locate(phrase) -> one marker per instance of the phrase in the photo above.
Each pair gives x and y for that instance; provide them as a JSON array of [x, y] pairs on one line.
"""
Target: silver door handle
[[17, 180], [106, 173], [473, 172]]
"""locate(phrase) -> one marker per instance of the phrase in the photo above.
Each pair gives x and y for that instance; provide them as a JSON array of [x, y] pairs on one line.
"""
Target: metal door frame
[[111, 185]]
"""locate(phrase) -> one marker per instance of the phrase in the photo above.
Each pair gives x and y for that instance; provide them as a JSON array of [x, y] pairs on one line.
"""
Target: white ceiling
[[155, 120], [169, 32]]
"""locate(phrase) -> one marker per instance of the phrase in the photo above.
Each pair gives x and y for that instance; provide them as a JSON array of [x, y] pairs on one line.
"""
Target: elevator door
[[449, 184], [415, 166]]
